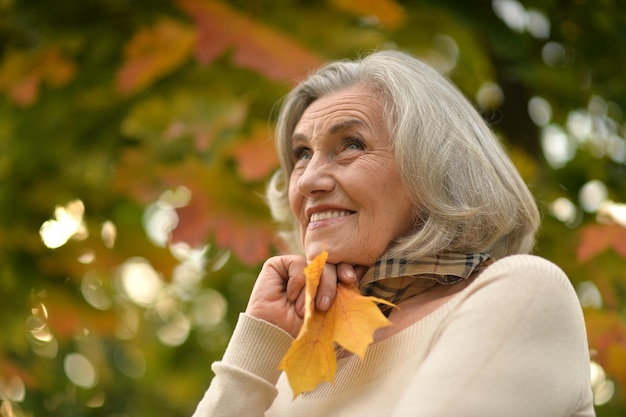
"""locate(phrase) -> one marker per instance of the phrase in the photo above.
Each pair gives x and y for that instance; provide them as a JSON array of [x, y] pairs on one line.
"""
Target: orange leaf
[[388, 12], [22, 73], [598, 238], [350, 322], [311, 357], [249, 241], [215, 22], [257, 157], [603, 329], [357, 318], [606, 332], [249, 237], [255, 46], [55, 69], [153, 53], [616, 362], [313, 273]]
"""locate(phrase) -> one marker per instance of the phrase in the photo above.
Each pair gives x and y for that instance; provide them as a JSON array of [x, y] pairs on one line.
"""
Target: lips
[[329, 214]]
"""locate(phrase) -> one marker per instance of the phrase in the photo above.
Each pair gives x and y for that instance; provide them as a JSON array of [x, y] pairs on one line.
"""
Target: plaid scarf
[[396, 280]]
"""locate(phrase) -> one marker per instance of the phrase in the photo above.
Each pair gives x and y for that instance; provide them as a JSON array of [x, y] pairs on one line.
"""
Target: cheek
[[295, 200], [396, 206]]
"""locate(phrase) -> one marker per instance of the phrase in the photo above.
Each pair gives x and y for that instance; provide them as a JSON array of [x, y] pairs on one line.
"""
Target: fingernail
[[325, 303], [351, 275]]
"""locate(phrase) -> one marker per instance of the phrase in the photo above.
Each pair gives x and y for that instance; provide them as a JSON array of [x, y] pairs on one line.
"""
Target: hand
[[279, 292]]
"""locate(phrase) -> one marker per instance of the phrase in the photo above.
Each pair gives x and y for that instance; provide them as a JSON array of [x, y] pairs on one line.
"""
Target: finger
[[327, 289], [299, 304], [296, 280], [346, 274]]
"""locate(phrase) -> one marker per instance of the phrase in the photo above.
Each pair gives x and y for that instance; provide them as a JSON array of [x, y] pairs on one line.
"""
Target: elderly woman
[[388, 166]]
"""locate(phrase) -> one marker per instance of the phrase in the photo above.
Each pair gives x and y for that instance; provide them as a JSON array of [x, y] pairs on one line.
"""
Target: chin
[[340, 255]]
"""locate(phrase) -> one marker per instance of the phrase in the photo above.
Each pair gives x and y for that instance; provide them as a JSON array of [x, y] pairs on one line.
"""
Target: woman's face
[[345, 190]]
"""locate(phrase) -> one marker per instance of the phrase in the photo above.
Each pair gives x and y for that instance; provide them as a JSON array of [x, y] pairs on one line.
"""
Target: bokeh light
[[612, 213], [592, 194], [515, 15], [130, 361], [42, 340], [539, 110], [174, 330], [94, 291], [537, 24], [139, 281], [489, 96], [602, 387], [159, 222], [80, 370], [589, 295], [554, 54], [12, 389], [444, 54], [161, 218], [558, 147], [209, 308], [564, 210], [108, 234], [67, 223], [512, 13], [579, 124]]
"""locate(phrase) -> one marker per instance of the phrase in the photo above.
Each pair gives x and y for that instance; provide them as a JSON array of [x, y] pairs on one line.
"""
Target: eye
[[301, 152], [354, 143]]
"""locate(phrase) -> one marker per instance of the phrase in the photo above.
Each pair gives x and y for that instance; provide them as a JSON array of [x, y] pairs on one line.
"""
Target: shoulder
[[526, 264], [527, 284], [526, 271]]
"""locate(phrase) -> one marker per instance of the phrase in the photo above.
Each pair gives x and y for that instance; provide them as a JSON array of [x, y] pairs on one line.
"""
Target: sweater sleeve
[[245, 377], [515, 346]]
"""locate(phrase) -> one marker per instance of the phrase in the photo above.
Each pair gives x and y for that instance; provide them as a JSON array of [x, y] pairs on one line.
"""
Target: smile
[[325, 215]]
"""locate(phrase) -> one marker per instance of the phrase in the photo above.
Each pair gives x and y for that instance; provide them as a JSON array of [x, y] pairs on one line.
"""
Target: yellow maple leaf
[[311, 357], [350, 322], [356, 319]]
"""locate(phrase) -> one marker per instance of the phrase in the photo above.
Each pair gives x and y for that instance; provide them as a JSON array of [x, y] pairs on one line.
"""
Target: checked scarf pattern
[[396, 279]]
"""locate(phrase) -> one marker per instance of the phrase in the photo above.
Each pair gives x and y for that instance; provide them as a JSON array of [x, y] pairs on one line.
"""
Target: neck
[[419, 306]]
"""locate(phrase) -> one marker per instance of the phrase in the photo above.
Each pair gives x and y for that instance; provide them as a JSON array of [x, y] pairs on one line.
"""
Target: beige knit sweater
[[512, 343]]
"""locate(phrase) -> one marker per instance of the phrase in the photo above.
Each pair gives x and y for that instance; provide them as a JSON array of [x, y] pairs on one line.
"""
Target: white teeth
[[328, 215]]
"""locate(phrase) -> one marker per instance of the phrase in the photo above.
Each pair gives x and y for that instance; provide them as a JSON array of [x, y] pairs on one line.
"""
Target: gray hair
[[467, 195]]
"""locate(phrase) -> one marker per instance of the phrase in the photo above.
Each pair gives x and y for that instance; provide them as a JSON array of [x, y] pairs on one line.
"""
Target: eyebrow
[[346, 124], [337, 127]]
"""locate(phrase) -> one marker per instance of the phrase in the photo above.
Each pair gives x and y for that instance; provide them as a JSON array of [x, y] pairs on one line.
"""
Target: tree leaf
[[257, 157], [350, 322], [596, 239], [22, 73], [250, 241], [310, 359], [357, 318], [606, 333], [604, 328], [153, 53], [616, 362], [255, 45], [388, 12]]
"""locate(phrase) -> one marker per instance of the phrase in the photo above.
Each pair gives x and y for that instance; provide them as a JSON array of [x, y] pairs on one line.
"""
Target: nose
[[317, 177]]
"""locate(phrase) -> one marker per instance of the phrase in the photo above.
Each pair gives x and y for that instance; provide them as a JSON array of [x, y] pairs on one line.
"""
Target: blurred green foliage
[[135, 144]]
